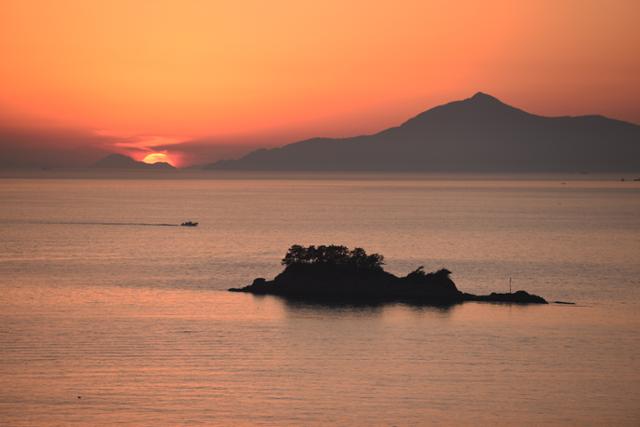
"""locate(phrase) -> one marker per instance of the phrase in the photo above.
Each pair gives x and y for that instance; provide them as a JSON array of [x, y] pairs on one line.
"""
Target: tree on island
[[419, 274], [339, 274], [333, 255]]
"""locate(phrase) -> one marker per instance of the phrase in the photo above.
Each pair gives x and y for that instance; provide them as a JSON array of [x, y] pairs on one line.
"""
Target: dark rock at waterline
[[518, 297], [338, 274]]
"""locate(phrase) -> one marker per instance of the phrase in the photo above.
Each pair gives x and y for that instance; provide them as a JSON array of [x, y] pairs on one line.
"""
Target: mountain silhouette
[[120, 161], [478, 134]]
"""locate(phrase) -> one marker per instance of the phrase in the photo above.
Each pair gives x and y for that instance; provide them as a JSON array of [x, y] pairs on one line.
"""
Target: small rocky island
[[337, 274]]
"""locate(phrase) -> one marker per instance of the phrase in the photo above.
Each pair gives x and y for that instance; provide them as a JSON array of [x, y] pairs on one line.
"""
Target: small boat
[[189, 224]]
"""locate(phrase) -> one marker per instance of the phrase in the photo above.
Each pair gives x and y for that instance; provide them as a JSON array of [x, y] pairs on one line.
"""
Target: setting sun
[[196, 196], [156, 157]]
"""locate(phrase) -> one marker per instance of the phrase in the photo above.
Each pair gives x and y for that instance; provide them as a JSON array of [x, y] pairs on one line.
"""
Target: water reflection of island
[[336, 274]]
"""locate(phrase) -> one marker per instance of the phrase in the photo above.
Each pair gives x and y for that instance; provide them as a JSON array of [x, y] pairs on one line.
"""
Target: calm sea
[[108, 317]]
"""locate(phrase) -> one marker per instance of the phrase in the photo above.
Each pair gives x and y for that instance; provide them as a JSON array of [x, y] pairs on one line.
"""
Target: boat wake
[[130, 224]]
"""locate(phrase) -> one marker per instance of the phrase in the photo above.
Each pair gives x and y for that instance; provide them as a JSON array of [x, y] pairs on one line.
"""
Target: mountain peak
[[479, 134], [484, 97], [480, 106]]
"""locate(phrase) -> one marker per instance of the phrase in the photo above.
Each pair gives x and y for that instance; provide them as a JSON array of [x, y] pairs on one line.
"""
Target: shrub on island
[[337, 273]]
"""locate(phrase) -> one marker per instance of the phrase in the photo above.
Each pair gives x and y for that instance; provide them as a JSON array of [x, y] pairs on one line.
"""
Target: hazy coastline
[[196, 173]]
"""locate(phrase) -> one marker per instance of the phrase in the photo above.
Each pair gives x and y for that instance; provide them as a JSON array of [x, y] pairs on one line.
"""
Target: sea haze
[[109, 313]]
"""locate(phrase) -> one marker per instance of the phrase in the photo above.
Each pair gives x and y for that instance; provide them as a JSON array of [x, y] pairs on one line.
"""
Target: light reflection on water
[[133, 319], [149, 356]]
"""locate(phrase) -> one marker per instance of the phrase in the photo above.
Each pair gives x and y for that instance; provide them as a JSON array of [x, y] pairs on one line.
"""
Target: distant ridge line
[[477, 134]]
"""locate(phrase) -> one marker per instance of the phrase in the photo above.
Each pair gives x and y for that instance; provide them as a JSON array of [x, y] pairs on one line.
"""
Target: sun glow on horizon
[[156, 158], [198, 77]]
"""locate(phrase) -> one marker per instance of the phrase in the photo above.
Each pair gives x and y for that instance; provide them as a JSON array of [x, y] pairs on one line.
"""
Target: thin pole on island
[[510, 285]]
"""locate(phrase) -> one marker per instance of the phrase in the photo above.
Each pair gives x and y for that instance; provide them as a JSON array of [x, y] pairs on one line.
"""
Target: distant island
[[120, 161], [337, 274], [478, 134]]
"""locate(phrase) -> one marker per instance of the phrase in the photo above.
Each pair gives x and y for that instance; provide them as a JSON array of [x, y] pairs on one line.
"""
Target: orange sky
[[219, 74]]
